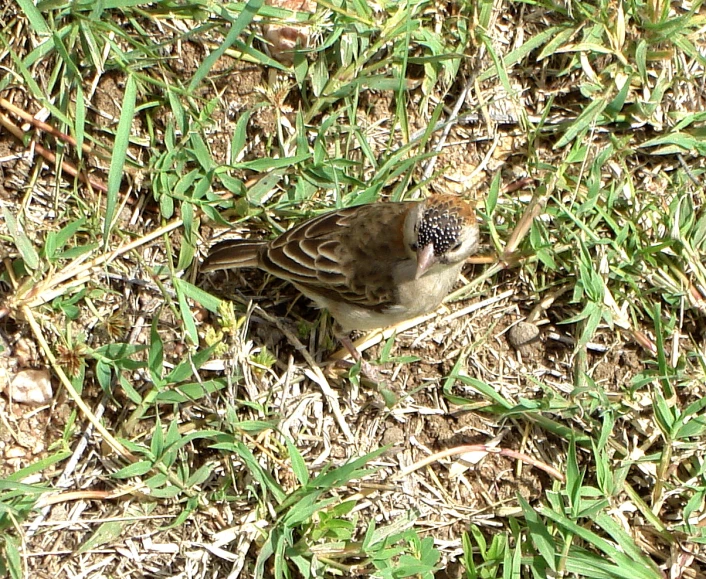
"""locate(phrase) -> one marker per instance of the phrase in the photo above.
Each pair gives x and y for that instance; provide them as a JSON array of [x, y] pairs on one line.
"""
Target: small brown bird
[[370, 266]]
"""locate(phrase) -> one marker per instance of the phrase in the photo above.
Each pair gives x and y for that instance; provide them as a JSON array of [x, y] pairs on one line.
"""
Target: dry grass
[[191, 436]]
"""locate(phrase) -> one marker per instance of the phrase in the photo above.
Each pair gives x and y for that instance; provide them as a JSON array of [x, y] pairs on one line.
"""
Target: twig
[[51, 157], [453, 118], [317, 374], [47, 128], [64, 480], [40, 293], [75, 396], [479, 448]]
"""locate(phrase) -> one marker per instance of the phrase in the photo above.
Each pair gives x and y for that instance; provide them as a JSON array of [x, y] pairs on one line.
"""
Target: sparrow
[[370, 266]]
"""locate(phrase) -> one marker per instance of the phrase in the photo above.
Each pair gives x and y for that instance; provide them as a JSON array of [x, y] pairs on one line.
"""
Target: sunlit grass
[[184, 126]]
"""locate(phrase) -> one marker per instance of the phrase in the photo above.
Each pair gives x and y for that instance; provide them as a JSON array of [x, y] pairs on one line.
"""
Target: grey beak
[[425, 259]]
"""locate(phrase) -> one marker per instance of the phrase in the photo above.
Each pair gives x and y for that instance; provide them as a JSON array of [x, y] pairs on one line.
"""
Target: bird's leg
[[365, 367], [350, 346]]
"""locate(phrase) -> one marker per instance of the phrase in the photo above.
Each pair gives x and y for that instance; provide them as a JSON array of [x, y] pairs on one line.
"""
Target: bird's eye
[[414, 247], [456, 246]]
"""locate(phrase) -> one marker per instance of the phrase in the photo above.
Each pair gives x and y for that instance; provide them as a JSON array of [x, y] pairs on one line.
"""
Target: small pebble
[[31, 387], [522, 334], [14, 452], [393, 435]]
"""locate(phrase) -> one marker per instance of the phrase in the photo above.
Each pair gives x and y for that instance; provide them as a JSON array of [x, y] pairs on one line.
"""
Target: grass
[[190, 433]]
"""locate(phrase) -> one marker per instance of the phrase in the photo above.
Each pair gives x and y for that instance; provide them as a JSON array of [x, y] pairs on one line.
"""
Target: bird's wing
[[345, 255]]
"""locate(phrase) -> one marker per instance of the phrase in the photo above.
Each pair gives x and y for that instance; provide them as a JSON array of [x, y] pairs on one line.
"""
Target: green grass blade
[[117, 161]]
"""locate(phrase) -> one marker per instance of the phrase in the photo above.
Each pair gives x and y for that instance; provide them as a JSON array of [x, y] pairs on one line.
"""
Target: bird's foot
[[366, 368]]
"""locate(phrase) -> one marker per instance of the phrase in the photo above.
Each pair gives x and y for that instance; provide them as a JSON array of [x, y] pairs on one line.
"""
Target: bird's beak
[[425, 259]]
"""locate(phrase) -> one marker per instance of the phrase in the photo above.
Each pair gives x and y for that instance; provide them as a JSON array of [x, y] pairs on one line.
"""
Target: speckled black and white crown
[[441, 224]]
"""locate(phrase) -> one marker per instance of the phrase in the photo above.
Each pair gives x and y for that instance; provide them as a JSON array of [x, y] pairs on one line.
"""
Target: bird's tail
[[233, 253]]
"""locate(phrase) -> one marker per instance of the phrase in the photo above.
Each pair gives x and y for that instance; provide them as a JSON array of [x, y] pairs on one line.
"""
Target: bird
[[371, 266]]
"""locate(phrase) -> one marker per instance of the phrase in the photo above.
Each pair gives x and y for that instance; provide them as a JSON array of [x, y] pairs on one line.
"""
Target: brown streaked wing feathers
[[233, 253], [333, 251], [303, 241], [327, 255]]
